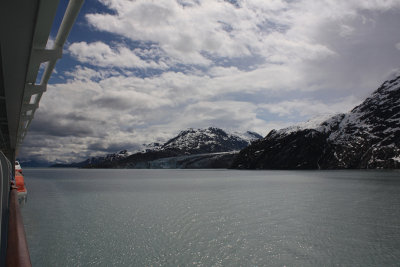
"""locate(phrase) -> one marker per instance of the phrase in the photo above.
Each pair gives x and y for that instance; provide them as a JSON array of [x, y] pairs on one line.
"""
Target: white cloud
[[283, 40], [101, 54], [188, 33], [310, 108], [346, 30]]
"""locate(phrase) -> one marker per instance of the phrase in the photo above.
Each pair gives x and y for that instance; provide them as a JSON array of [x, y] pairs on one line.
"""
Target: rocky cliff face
[[366, 137]]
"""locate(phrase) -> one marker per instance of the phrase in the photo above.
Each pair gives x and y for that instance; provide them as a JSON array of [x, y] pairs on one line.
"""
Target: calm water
[[212, 218]]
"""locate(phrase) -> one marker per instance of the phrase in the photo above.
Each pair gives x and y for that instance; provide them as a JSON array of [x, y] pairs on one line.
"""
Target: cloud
[[279, 40], [346, 30], [130, 100], [101, 54], [232, 115], [112, 147], [196, 32], [309, 108], [53, 127]]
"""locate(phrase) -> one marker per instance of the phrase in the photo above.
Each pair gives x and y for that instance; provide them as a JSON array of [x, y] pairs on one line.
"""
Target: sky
[[136, 72]]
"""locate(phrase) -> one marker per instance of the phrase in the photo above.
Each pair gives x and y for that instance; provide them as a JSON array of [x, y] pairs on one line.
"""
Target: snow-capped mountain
[[212, 141], [113, 157], [366, 137]]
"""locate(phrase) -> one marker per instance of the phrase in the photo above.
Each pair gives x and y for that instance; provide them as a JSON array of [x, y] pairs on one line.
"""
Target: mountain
[[94, 161], [210, 140], [366, 137], [35, 163], [191, 148]]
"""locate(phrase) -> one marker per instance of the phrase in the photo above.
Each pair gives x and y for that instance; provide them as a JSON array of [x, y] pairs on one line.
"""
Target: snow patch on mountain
[[313, 123], [248, 136]]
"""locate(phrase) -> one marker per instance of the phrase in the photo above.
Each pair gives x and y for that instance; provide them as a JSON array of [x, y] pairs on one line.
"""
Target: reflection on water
[[212, 217]]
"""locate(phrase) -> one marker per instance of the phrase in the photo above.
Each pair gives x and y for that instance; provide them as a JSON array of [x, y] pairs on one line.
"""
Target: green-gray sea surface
[[79, 217]]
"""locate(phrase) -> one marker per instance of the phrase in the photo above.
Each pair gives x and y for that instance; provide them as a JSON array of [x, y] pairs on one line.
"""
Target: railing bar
[[66, 25], [17, 246]]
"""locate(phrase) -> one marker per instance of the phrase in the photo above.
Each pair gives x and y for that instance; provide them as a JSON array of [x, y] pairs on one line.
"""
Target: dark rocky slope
[[366, 137]]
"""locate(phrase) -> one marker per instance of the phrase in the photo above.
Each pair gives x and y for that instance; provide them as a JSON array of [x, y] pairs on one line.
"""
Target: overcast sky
[[135, 72]]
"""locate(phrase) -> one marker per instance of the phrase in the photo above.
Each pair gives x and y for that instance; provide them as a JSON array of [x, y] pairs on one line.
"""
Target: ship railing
[[13, 245], [40, 54], [17, 246]]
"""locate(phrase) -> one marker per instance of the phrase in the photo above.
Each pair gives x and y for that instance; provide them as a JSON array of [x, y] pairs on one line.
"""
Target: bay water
[[79, 217]]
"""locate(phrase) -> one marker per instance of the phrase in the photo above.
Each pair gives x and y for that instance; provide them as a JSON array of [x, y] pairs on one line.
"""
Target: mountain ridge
[[366, 137], [209, 144]]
